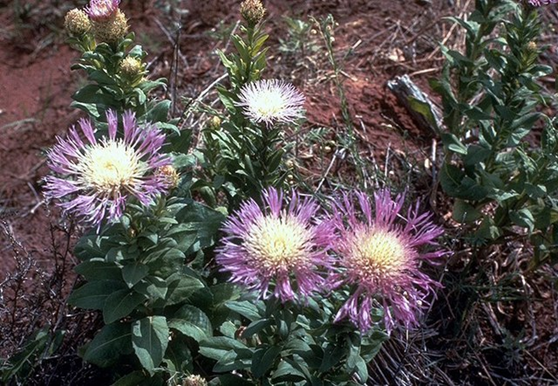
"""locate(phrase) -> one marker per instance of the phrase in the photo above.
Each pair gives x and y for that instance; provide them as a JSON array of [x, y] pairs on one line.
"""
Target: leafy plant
[[503, 180]]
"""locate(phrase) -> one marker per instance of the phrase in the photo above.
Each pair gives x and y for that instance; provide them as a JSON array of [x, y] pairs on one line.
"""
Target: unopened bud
[[131, 68], [77, 22], [169, 176], [194, 380], [215, 122], [252, 11], [113, 30], [532, 46]]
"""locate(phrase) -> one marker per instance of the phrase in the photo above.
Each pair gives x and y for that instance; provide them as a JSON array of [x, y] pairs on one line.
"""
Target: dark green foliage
[[503, 179]]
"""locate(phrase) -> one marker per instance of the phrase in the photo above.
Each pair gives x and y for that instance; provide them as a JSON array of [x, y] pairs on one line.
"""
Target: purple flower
[[271, 101], [538, 3], [97, 176], [379, 259], [279, 246], [102, 10]]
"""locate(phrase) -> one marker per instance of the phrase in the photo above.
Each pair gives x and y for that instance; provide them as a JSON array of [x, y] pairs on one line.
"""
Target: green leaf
[[153, 287], [245, 308], [94, 294], [113, 341], [87, 94], [90, 108], [217, 347], [287, 372], [94, 270], [256, 326], [181, 287], [453, 143], [463, 212], [524, 218], [179, 356], [159, 112], [102, 77], [133, 273], [191, 321], [120, 304], [150, 338], [233, 380], [332, 355], [133, 379], [263, 360]]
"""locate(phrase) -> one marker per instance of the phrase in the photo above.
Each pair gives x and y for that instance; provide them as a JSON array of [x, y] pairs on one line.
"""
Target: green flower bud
[[111, 31], [77, 22], [252, 11], [195, 380], [131, 68]]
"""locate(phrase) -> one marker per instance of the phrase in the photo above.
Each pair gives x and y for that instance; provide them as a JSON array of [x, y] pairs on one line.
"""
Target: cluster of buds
[[103, 17]]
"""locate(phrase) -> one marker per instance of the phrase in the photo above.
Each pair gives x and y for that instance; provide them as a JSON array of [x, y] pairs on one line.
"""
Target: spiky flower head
[[380, 256], [279, 250], [102, 10], [169, 175], [76, 22], [132, 69], [195, 380], [271, 101], [95, 177], [252, 11], [538, 3], [111, 31]]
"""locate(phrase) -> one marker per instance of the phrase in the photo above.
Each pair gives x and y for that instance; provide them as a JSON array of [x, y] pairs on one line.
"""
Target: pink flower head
[[380, 259], [271, 101], [538, 3], [102, 10], [97, 176], [279, 246]]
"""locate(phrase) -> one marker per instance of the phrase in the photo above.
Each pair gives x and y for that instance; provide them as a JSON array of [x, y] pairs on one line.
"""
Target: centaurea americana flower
[[379, 258], [95, 177], [271, 101], [280, 250], [538, 3], [102, 10]]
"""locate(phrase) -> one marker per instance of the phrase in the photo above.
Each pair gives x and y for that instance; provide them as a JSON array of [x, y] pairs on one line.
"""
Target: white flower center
[[111, 166], [268, 103], [376, 255], [278, 244]]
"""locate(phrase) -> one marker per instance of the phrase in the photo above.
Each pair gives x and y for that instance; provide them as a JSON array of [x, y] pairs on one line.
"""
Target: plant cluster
[[207, 270], [501, 164]]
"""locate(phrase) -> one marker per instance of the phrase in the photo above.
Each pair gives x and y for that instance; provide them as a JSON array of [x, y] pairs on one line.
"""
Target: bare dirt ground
[[375, 40]]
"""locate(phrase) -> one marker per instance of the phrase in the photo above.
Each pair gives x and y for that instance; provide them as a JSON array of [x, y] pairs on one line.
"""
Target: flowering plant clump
[[98, 176], [379, 256], [271, 101], [280, 246]]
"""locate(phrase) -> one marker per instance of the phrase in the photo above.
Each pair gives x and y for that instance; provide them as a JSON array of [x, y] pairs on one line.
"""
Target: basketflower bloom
[[271, 101], [538, 3], [379, 258], [102, 10], [280, 250], [95, 177]]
